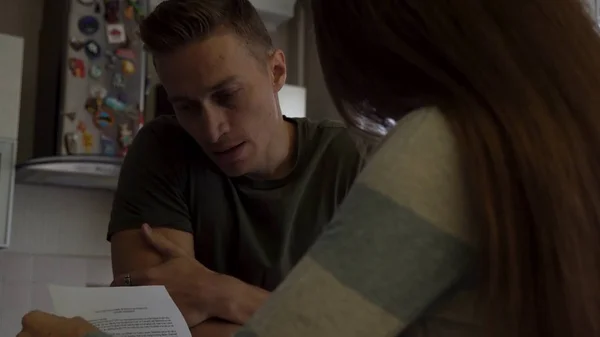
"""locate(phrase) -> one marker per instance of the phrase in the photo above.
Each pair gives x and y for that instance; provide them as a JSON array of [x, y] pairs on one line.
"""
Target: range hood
[[98, 172]]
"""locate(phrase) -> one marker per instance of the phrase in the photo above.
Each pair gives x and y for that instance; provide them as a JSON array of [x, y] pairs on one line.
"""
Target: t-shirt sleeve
[[152, 182], [399, 242]]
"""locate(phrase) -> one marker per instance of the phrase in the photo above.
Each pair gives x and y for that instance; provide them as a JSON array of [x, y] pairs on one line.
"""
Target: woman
[[480, 212]]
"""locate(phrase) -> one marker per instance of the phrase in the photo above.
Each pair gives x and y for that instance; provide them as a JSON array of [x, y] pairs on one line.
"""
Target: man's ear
[[278, 69]]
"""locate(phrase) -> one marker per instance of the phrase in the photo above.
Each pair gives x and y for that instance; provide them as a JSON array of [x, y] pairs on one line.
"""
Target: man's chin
[[234, 171]]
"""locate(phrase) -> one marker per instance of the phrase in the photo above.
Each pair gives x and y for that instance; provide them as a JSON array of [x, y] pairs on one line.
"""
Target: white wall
[[58, 236]]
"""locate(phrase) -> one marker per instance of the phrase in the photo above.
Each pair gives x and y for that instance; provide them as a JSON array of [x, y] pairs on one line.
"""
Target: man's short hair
[[175, 23]]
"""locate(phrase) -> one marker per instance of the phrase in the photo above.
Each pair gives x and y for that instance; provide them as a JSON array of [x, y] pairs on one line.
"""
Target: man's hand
[[199, 293], [194, 288], [41, 324]]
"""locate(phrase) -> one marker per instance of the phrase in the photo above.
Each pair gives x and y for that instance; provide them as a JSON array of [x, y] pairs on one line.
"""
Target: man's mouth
[[228, 150]]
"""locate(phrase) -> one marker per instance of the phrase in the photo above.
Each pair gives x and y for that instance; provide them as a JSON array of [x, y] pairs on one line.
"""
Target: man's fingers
[[164, 246], [37, 321]]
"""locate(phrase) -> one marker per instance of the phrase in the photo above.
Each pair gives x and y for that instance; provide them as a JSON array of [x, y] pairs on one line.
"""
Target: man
[[234, 192]]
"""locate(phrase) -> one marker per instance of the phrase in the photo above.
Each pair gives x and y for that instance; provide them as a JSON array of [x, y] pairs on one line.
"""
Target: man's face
[[226, 99]]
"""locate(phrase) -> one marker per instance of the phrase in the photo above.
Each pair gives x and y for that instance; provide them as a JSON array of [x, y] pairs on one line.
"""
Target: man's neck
[[281, 155]]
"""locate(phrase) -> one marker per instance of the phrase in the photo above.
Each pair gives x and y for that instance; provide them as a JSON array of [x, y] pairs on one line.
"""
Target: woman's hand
[[41, 324]]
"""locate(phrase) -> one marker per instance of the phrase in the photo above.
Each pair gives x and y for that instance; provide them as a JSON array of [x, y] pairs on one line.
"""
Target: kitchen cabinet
[[11, 67]]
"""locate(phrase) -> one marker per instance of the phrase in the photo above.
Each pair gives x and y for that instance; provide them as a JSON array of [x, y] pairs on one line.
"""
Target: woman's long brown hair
[[519, 82]]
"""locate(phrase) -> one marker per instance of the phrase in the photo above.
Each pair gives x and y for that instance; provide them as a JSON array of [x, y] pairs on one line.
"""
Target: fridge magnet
[[111, 59], [98, 91], [129, 12], [125, 135], [93, 104], [87, 2], [88, 25], [87, 138], [108, 146], [111, 11], [118, 81], [76, 44], [92, 49], [77, 67], [137, 11], [114, 104], [71, 115], [97, 7], [95, 71], [122, 96], [115, 33], [125, 53], [81, 127], [71, 142], [88, 141], [127, 67], [104, 118]]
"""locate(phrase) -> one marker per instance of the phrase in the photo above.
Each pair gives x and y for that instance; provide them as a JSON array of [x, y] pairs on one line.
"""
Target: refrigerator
[[93, 80]]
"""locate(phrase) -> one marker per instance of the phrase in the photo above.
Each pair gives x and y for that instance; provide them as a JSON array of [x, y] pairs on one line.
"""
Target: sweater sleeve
[[399, 242]]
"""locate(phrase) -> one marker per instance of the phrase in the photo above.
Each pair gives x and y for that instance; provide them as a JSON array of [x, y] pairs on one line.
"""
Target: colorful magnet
[[97, 91], [87, 2], [93, 104], [136, 8], [125, 135], [125, 53], [129, 12], [118, 81], [76, 44], [95, 71], [111, 11], [115, 33], [108, 146], [88, 141], [104, 118], [81, 127], [114, 104], [122, 96], [88, 25], [71, 142], [77, 67], [127, 67], [111, 59], [92, 49], [71, 115]]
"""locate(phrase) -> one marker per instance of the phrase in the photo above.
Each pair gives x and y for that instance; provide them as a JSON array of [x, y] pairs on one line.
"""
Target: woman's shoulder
[[418, 166]]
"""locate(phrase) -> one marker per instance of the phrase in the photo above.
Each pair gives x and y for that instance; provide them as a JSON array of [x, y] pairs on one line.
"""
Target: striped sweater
[[396, 258]]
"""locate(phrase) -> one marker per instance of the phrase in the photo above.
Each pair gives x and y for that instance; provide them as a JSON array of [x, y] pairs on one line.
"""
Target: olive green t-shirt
[[253, 230]]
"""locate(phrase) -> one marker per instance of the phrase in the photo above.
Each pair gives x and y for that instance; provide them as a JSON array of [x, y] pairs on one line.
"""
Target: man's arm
[[170, 257], [215, 328], [130, 252], [152, 186]]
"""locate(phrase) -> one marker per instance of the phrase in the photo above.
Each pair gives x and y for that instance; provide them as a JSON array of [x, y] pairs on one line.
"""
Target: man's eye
[[183, 107], [225, 98]]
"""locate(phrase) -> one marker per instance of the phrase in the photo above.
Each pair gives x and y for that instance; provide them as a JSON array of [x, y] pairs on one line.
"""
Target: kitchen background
[[58, 234]]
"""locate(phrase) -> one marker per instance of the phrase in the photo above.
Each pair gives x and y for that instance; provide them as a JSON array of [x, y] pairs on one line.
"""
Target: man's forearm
[[239, 300], [214, 328]]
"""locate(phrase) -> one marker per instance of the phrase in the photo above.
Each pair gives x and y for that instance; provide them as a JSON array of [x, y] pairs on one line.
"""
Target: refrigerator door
[[105, 78]]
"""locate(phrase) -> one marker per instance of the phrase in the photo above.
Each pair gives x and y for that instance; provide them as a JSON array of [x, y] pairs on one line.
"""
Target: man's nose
[[215, 124]]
